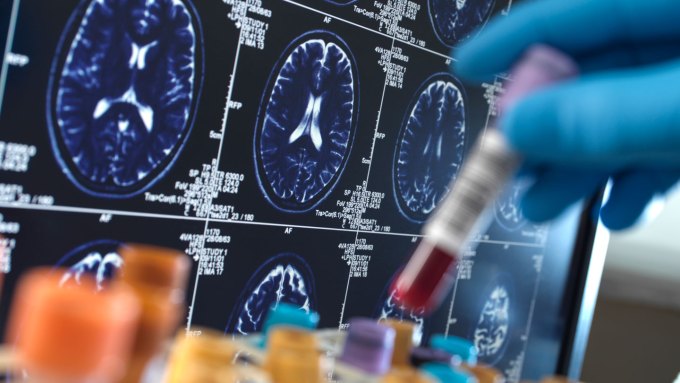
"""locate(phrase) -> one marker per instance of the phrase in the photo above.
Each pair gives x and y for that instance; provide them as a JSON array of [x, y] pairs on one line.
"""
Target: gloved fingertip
[[536, 211], [616, 219], [469, 76], [468, 63], [634, 198], [514, 126], [624, 211], [533, 126]]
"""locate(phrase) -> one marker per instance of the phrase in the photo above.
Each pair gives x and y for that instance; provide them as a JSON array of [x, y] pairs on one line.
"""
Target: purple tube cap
[[423, 355], [369, 346]]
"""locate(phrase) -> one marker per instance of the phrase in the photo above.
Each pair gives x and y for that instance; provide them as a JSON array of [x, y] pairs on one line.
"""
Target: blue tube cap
[[462, 348], [445, 374], [284, 314]]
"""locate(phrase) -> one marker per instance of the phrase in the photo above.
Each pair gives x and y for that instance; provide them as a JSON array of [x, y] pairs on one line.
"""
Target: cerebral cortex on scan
[[308, 122], [456, 20], [97, 259], [507, 209], [391, 309], [430, 148], [491, 332], [123, 98], [285, 278]]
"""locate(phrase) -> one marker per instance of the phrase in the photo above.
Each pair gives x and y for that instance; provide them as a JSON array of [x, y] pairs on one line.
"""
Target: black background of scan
[[5, 14]]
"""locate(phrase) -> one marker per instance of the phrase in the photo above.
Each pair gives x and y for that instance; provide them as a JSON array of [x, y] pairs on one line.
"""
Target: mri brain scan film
[[292, 149], [284, 278], [491, 333], [388, 307], [307, 122], [123, 92], [507, 209], [99, 259], [431, 145], [455, 20]]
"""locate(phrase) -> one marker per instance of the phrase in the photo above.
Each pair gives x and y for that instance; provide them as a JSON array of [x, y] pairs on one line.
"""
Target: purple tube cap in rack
[[369, 346]]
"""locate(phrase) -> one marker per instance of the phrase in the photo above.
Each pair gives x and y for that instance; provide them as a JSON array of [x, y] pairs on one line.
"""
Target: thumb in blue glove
[[620, 119]]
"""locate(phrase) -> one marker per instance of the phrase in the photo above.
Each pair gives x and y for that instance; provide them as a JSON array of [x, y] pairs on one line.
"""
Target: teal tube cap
[[462, 348], [445, 374], [284, 314]]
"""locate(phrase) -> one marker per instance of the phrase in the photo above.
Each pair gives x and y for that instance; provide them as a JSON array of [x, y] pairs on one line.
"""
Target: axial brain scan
[[307, 122], [99, 259], [430, 148], [455, 20], [285, 278], [491, 333], [507, 210], [123, 92]]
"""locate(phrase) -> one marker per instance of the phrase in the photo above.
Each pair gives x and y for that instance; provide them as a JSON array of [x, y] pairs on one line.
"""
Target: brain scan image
[[284, 278], [98, 259], [123, 92], [456, 20], [430, 148], [307, 122], [491, 333], [507, 211], [390, 308]]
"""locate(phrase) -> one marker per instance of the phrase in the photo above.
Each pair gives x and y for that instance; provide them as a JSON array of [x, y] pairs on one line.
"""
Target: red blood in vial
[[425, 287]]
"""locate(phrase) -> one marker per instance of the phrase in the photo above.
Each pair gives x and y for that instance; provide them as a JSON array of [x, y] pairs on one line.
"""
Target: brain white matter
[[276, 282], [123, 99], [508, 212], [430, 148], [308, 122], [392, 309], [492, 329], [94, 264]]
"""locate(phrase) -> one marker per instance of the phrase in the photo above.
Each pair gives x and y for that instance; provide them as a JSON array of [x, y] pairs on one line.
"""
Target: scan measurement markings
[[8, 47], [127, 213], [450, 320], [214, 170], [489, 113], [365, 183], [445, 56], [488, 119], [506, 10], [493, 89], [532, 307]]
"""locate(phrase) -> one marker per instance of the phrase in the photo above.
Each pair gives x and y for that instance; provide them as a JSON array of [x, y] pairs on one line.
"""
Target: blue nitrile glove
[[619, 119]]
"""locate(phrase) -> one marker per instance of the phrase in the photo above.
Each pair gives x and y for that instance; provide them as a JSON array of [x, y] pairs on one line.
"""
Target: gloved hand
[[619, 119]]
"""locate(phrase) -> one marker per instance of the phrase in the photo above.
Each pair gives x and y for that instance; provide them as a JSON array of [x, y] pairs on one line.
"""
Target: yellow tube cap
[[484, 373], [158, 277], [405, 375], [209, 351], [403, 341], [154, 267], [292, 356]]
